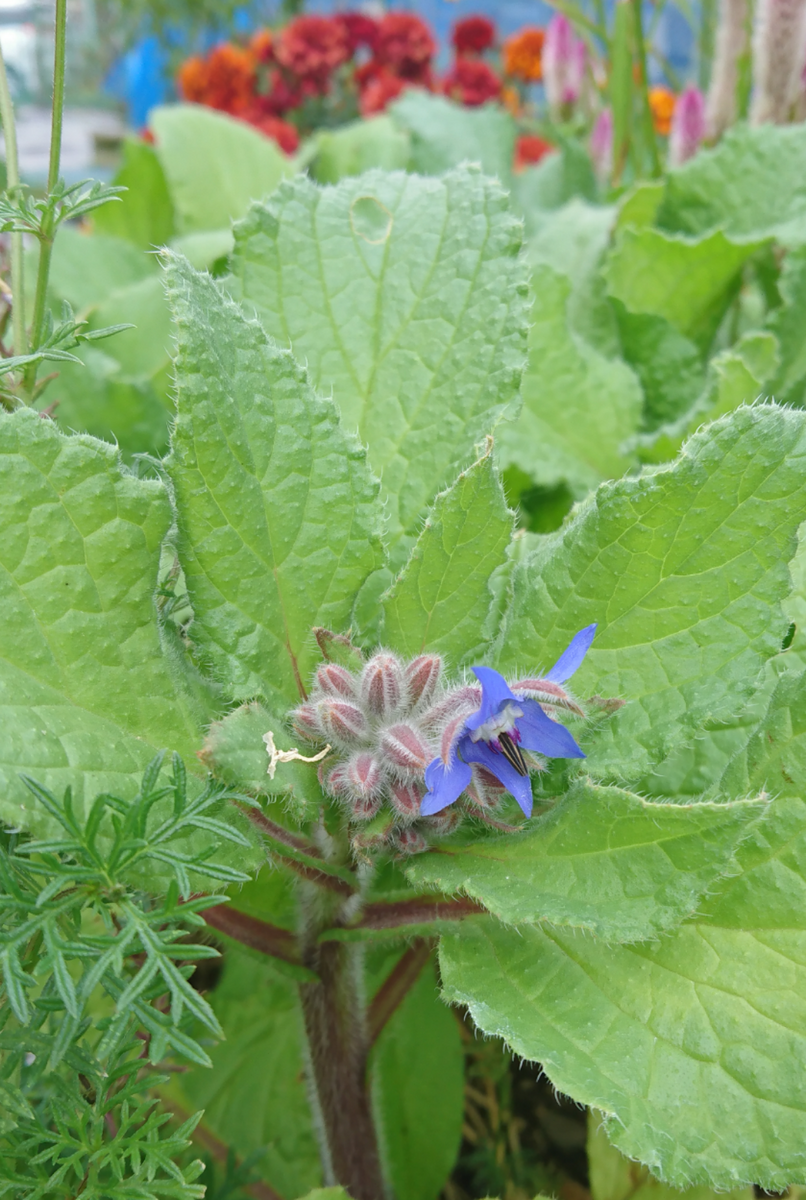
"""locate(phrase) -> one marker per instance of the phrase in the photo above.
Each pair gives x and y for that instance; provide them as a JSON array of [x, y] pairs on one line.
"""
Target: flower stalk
[[13, 179]]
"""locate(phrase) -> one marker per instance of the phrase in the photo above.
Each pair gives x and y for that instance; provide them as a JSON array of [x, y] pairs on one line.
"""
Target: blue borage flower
[[496, 736]]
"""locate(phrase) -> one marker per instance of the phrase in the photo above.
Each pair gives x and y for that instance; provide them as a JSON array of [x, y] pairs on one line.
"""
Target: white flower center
[[503, 722]]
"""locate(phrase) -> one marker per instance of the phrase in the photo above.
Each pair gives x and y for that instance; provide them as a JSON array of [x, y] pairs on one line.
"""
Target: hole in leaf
[[370, 220]]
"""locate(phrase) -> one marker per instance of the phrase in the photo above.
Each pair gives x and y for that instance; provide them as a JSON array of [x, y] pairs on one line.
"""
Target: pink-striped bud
[[422, 677], [305, 720], [406, 799], [343, 723], [548, 695], [382, 685], [443, 823], [336, 681], [363, 785], [460, 701], [601, 145], [688, 126], [410, 841], [405, 748], [564, 61]]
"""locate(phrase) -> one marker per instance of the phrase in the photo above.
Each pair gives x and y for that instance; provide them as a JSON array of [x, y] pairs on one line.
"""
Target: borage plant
[[356, 670]]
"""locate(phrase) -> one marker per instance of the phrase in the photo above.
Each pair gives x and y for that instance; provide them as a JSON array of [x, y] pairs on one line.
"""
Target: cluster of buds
[[386, 722]]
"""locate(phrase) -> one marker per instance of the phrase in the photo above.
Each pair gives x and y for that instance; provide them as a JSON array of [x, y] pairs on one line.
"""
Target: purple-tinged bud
[[403, 746], [601, 145], [364, 776], [548, 695], [449, 735], [443, 823], [305, 720], [382, 685], [343, 723], [688, 126], [422, 677], [336, 681], [564, 60], [410, 841], [777, 59], [406, 799], [461, 701], [732, 29]]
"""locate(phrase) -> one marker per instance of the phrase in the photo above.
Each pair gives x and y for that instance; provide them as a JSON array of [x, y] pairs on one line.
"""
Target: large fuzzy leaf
[[603, 860], [279, 519], [445, 134], [86, 692], [442, 597], [693, 1045], [406, 298], [685, 569]]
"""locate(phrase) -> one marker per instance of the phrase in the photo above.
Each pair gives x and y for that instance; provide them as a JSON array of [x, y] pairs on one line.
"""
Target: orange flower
[[523, 54], [662, 103], [511, 100], [192, 79], [224, 80], [262, 46]]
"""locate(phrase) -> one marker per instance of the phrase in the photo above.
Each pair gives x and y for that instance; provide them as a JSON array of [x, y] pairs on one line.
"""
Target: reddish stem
[[421, 910], [395, 987], [252, 932]]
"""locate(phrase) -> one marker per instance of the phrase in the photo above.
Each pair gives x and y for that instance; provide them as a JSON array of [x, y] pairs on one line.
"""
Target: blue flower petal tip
[[571, 658]]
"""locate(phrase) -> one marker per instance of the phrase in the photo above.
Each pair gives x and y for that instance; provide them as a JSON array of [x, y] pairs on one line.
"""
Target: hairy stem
[[47, 232], [13, 179], [394, 989], [338, 1046], [254, 933]]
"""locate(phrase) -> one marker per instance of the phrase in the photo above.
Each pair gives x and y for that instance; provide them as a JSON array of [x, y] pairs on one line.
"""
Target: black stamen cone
[[513, 753]]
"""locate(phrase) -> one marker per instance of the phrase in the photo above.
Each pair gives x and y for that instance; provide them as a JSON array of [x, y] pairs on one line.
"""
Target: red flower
[[312, 48], [379, 88], [262, 46], [529, 149], [284, 134], [358, 29], [405, 46], [224, 80], [473, 35], [471, 82], [283, 95]]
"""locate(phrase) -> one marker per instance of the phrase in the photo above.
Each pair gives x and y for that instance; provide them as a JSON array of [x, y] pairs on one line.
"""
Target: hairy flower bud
[[335, 681], [406, 799], [405, 748], [422, 677], [410, 841], [305, 720], [548, 694], [688, 126], [343, 723], [564, 61], [361, 783], [382, 685], [459, 701]]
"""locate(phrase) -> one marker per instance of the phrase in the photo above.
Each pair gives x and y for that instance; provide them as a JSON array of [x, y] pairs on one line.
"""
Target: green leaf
[[639, 206], [775, 756], [684, 568], [86, 691], [691, 1045], [215, 165], [206, 249], [688, 281], [417, 1072], [255, 1096], [445, 134], [668, 365], [279, 519], [442, 597], [614, 1177], [145, 214], [84, 270], [602, 860], [358, 146], [788, 323], [145, 350], [578, 406], [751, 185], [407, 298]]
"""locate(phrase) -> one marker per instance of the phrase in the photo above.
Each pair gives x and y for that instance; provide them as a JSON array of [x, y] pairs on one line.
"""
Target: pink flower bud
[[405, 748], [422, 677], [336, 681], [688, 126], [601, 145], [382, 684], [342, 722], [548, 695], [406, 799], [443, 823], [363, 776], [410, 841], [564, 61], [306, 723], [461, 701]]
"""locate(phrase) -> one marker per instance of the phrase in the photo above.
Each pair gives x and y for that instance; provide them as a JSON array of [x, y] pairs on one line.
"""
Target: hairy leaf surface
[[602, 860], [407, 298], [442, 597], [279, 520], [685, 570]]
